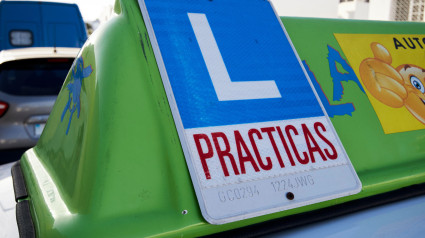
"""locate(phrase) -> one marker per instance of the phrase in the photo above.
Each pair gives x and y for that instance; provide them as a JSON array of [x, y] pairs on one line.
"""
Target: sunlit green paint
[[121, 172], [383, 162]]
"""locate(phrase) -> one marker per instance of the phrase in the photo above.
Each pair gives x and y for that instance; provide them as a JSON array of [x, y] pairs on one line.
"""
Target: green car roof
[[110, 163]]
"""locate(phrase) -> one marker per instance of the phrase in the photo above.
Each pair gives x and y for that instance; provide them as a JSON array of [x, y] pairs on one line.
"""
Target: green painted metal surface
[[383, 161], [120, 171]]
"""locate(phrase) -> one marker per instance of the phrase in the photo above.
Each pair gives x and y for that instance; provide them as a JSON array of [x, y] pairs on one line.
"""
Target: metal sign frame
[[203, 197]]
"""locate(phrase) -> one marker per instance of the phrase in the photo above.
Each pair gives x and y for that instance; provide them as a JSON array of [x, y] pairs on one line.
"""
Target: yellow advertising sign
[[391, 69]]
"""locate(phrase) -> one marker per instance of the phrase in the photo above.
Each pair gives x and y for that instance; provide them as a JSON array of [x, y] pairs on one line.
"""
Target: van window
[[34, 77], [20, 38]]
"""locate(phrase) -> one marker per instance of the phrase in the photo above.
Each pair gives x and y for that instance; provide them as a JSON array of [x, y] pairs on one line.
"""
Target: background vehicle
[[40, 24], [26, 94], [30, 80]]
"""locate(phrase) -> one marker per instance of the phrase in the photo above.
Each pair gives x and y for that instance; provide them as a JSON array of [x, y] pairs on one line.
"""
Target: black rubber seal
[[24, 220], [280, 224], [18, 182]]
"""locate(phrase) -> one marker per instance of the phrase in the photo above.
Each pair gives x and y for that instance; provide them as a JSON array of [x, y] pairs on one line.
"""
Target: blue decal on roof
[[74, 88]]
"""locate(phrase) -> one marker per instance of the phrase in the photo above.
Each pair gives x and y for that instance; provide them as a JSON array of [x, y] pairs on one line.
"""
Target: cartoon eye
[[417, 84]]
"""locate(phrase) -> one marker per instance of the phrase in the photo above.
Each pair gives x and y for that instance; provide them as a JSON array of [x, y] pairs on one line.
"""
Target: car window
[[34, 77]]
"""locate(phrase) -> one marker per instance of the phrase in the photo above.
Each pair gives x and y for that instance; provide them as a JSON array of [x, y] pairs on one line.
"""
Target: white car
[[30, 79]]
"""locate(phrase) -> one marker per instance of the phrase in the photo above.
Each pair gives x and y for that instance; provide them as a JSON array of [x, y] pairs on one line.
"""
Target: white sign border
[[184, 142]]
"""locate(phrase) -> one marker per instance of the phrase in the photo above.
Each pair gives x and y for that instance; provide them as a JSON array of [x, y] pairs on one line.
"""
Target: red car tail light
[[3, 108]]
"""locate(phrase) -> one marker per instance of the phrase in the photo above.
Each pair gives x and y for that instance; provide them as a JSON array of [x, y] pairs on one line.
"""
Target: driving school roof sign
[[255, 137]]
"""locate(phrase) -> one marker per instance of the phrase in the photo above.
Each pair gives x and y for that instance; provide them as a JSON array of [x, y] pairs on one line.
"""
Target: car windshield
[[34, 77]]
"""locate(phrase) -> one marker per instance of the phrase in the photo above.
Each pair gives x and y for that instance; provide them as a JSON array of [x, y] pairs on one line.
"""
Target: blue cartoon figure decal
[[74, 88]]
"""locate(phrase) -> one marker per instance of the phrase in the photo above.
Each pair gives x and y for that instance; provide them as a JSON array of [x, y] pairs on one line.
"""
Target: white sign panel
[[255, 136]]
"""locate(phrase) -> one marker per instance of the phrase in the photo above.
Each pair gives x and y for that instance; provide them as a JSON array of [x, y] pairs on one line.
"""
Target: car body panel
[[109, 162], [399, 219], [8, 228], [17, 126], [37, 52]]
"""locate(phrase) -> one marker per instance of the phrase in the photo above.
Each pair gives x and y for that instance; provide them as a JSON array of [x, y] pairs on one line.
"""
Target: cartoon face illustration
[[74, 88], [395, 87], [414, 82]]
